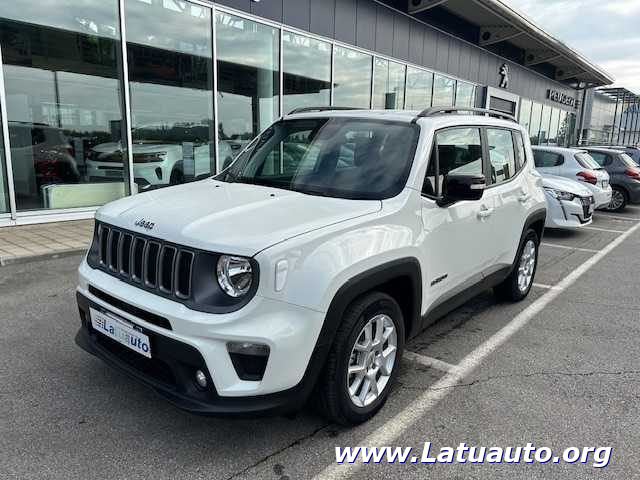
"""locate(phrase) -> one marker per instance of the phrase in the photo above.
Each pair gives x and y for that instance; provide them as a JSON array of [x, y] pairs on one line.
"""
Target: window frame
[[486, 162], [434, 151]]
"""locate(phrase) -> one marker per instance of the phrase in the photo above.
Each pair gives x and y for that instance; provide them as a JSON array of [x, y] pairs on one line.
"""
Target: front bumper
[[567, 214], [191, 341]]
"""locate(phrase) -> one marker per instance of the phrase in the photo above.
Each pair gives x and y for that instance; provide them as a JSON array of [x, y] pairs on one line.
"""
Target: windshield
[[627, 160], [586, 161], [336, 157]]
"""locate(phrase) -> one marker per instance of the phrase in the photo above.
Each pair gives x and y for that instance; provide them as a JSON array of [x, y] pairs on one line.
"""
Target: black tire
[[625, 199], [176, 177], [509, 289], [331, 393]]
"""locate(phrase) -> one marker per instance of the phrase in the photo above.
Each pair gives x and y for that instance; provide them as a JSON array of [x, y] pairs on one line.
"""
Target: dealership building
[[100, 99]]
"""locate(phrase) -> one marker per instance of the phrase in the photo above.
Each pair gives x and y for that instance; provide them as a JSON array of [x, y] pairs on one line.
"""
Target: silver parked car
[[575, 164]]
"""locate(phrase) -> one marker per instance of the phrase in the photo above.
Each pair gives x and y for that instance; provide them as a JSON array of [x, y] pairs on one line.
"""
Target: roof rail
[[319, 109], [430, 112]]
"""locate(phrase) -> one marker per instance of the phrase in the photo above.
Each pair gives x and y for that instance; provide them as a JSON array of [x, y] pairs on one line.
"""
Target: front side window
[[544, 159], [333, 157], [502, 155], [459, 153]]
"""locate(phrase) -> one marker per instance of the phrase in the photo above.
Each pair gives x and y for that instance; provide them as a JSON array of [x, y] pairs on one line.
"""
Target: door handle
[[485, 213]]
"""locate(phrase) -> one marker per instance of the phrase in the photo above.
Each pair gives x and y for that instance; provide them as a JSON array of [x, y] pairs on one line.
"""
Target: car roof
[[553, 149], [603, 150], [435, 122]]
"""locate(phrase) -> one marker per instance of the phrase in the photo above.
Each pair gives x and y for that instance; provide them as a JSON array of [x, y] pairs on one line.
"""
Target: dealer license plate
[[121, 331]]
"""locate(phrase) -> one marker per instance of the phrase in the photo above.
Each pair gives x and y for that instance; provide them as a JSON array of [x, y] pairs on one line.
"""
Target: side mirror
[[457, 188]]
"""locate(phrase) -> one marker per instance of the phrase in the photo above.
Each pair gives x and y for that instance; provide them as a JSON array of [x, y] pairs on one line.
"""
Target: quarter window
[[547, 159], [459, 153], [502, 155], [522, 156]]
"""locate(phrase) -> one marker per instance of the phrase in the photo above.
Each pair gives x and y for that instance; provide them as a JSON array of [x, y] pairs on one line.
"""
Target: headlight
[[235, 275], [560, 195]]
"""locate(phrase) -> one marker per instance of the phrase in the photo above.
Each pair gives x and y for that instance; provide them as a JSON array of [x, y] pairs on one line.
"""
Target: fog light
[[201, 379], [249, 359]]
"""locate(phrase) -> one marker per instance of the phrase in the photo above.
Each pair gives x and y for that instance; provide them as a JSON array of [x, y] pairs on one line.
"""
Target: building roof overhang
[[498, 22]]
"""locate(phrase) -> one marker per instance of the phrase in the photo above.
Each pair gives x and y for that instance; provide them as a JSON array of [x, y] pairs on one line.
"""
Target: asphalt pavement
[[558, 370]]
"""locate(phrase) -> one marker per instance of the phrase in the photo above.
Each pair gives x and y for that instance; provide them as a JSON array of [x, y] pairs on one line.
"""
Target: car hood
[[565, 184], [230, 218]]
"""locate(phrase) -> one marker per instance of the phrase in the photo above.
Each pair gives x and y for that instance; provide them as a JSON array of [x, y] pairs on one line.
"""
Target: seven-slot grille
[[145, 262]]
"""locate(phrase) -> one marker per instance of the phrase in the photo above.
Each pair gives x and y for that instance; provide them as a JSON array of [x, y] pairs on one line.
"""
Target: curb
[[6, 261]]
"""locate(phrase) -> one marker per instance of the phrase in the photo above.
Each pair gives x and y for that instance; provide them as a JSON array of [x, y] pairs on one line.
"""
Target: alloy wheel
[[527, 266], [617, 200], [372, 360]]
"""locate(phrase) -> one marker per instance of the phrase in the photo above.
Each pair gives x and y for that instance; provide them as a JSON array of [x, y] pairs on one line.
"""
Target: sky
[[607, 32]]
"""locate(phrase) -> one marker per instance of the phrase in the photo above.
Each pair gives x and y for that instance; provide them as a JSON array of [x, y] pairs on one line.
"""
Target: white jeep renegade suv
[[301, 271]]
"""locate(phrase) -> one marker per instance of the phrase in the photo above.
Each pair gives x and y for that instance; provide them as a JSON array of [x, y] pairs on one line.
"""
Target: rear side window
[[601, 158], [586, 161], [544, 159], [502, 155], [459, 153]]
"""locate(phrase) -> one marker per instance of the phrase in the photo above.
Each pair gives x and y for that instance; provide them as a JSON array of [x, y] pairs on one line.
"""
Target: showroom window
[[63, 101], [524, 116], [306, 71], [545, 124], [443, 90], [248, 82], [534, 127], [553, 128], [171, 84], [419, 89], [4, 189], [352, 78], [502, 155], [563, 128], [388, 85], [465, 95]]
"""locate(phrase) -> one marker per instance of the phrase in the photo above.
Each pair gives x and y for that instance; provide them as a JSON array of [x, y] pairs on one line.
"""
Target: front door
[[459, 235]]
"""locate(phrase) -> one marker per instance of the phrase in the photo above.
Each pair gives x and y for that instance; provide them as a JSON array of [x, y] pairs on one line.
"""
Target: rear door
[[506, 193]]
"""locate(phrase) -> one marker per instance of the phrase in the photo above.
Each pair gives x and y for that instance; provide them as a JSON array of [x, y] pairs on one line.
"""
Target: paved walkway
[[28, 242]]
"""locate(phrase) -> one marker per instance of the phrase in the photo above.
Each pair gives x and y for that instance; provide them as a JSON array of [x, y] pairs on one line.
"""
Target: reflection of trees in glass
[[352, 78]]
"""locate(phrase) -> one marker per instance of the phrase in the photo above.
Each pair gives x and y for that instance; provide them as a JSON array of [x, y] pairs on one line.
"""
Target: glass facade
[[465, 94], [443, 91], [95, 113], [547, 125], [306, 70], [171, 87], [419, 89], [351, 78], [63, 101], [248, 82], [388, 85]]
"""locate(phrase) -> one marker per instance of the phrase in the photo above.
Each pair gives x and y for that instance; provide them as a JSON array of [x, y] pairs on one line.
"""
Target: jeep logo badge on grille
[[145, 224]]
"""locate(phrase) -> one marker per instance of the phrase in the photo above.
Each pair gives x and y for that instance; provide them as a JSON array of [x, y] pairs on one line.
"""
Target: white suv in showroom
[[299, 272]]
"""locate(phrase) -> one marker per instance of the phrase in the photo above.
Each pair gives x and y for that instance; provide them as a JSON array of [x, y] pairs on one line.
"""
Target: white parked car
[[282, 279], [575, 164], [570, 204]]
